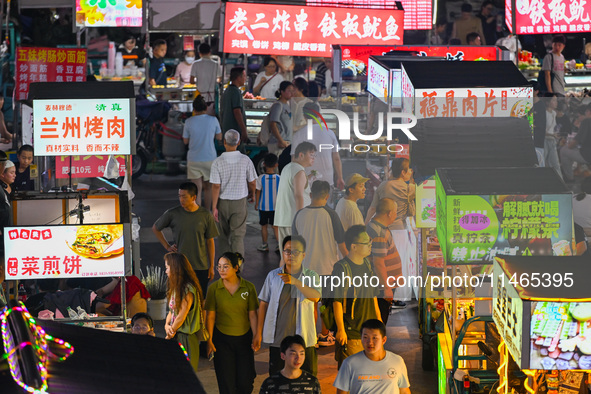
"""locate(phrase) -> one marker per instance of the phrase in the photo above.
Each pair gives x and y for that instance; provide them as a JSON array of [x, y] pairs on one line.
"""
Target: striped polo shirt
[[268, 184]]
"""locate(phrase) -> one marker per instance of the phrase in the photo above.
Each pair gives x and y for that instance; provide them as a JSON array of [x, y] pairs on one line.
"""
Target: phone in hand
[[211, 356]]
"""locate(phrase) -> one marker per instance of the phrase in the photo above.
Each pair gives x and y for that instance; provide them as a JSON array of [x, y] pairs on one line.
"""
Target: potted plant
[[156, 283]]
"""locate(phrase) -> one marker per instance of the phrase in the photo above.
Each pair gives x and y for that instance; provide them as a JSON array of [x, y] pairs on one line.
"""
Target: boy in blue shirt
[[23, 180], [266, 196]]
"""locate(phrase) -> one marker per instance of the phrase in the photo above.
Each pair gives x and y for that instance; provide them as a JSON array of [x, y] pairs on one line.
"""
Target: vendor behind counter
[[132, 54]]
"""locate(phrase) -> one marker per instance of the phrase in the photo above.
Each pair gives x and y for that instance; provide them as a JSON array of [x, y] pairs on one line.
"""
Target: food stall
[[548, 17], [301, 31], [483, 213], [541, 310]]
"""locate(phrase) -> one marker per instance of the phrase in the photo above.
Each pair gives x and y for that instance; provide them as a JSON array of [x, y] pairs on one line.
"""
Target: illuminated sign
[[508, 313], [473, 102], [473, 229], [85, 166], [549, 16], [417, 13], [111, 13], [276, 29], [378, 80], [64, 251], [81, 127], [47, 65]]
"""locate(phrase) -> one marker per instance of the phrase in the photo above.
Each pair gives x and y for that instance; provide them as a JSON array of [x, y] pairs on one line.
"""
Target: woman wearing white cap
[[7, 177]]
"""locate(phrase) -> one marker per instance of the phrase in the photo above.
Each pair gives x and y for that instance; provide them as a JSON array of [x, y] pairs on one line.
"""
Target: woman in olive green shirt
[[231, 306]]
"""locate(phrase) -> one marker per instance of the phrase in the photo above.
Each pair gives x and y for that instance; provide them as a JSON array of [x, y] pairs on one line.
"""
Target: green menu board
[[473, 229]]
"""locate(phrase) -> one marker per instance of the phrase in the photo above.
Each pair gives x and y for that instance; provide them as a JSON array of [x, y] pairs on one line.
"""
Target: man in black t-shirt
[[158, 73], [291, 379]]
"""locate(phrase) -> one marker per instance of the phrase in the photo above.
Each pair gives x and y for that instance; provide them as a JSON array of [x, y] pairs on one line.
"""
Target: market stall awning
[[555, 289], [499, 181], [446, 74], [471, 143], [77, 90]]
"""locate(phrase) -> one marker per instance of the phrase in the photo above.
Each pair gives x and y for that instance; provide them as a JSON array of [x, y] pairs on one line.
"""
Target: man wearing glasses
[[354, 302], [287, 306]]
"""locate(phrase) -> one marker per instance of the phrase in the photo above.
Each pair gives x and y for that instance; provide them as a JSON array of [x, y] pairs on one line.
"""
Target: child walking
[[266, 195]]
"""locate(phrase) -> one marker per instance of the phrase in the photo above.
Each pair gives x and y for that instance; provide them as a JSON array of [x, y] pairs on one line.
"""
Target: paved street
[[156, 193]]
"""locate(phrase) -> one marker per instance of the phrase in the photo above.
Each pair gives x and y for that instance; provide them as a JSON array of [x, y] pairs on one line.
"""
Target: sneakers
[[263, 248], [325, 340], [398, 305]]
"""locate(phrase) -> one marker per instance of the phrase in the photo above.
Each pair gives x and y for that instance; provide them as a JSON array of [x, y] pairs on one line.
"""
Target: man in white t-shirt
[[374, 370], [328, 164], [347, 208]]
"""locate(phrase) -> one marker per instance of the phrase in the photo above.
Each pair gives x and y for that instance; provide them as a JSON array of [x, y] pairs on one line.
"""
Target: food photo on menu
[[560, 335]]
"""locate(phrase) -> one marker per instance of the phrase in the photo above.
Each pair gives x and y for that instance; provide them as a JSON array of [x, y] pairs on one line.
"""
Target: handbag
[[195, 322]]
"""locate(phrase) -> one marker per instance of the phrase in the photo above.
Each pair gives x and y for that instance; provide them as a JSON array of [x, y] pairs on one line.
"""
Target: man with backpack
[[551, 78], [355, 300]]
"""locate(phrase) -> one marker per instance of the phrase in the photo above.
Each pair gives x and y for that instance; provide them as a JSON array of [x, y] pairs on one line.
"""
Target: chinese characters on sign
[[378, 80], [551, 16], [50, 252], [530, 219], [306, 31], [113, 13], [48, 65], [81, 127], [473, 102], [417, 13], [85, 166]]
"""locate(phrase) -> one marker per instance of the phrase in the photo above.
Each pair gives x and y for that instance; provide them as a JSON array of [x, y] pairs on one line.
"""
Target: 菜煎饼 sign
[[111, 13], [85, 166], [64, 251], [81, 127], [549, 17], [47, 65], [276, 29]]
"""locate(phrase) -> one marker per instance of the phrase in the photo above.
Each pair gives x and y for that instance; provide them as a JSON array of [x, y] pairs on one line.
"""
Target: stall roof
[[446, 74], [471, 143], [576, 266], [394, 59], [81, 90], [496, 181]]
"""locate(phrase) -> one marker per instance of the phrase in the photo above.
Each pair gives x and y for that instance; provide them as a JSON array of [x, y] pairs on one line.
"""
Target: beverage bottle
[[73, 315], [22, 293], [119, 64], [82, 314], [466, 384]]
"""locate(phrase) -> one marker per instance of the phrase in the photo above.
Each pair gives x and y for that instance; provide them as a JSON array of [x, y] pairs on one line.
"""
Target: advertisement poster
[[64, 251], [549, 16], [560, 335], [473, 102], [275, 29], [378, 81], [474, 229], [425, 203], [111, 13], [81, 127], [36, 64], [85, 166]]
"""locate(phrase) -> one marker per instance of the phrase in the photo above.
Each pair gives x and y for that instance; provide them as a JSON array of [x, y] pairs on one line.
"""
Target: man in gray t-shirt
[[374, 370], [193, 229], [553, 67]]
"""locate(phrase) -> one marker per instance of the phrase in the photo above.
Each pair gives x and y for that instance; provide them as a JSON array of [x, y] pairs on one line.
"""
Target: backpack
[[326, 310], [265, 133], [542, 76]]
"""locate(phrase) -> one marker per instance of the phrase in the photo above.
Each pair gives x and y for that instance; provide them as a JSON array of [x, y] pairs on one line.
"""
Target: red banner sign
[[85, 166], [550, 16], [417, 13], [48, 65], [362, 53], [277, 29]]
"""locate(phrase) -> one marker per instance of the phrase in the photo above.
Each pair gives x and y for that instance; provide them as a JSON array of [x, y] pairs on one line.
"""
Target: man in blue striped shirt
[[266, 195]]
